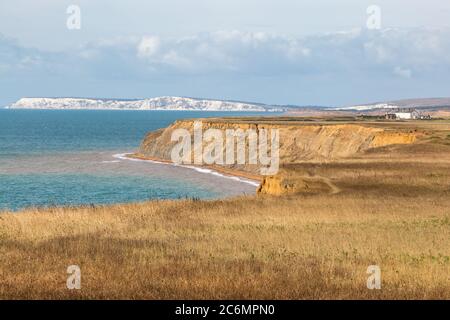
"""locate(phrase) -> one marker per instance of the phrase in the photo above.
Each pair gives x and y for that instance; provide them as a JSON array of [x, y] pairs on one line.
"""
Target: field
[[388, 206]]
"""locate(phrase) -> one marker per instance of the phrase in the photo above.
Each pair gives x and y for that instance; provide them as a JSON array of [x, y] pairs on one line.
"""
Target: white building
[[407, 115], [403, 115]]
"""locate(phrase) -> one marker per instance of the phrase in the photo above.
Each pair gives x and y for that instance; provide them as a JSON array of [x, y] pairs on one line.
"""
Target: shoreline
[[222, 172]]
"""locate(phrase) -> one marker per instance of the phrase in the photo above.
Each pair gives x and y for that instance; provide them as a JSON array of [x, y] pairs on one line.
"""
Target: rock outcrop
[[285, 184]]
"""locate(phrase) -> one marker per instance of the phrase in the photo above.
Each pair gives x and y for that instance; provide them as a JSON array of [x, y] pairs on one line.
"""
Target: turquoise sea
[[72, 157]]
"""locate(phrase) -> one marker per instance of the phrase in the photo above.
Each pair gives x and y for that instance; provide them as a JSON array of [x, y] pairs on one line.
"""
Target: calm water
[[67, 157]]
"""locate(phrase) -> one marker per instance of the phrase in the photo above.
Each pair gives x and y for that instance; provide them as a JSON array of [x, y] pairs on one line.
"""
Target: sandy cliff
[[299, 142]]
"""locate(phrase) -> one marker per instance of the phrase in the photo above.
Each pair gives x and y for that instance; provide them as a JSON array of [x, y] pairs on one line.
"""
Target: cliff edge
[[299, 142]]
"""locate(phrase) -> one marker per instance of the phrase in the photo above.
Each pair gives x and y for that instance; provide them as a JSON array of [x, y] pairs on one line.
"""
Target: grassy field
[[389, 207], [295, 247]]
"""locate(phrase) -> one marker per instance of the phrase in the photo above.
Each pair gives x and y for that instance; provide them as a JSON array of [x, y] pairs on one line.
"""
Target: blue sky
[[285, 52]]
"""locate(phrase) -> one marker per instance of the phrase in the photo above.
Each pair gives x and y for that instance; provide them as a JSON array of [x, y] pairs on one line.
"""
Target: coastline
[[190, 248], [237, 175]]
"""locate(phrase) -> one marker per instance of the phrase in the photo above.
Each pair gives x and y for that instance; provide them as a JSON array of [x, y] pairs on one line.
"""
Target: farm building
[[404, 115], [407, 115]]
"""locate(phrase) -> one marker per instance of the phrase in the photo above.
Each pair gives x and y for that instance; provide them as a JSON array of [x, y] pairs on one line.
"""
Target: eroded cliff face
[[297, 142]]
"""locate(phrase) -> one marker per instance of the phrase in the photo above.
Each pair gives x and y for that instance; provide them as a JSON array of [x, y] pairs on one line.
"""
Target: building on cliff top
[[406, 114]]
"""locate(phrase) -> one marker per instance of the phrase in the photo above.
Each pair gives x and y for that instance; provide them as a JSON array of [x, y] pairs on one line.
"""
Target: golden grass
[[392, 210], [311, 247]]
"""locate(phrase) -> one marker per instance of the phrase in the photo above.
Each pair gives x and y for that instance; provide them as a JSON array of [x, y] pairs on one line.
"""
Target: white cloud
[[148, 46], [311, 64], [230, 51], [174, 59], [254, 53]]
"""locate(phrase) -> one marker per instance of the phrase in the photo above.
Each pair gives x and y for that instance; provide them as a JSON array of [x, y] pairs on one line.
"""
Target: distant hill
[[436, 106], [158, 103]]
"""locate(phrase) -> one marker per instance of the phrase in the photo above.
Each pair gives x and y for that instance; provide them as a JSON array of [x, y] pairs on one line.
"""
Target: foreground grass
[[302, 247]]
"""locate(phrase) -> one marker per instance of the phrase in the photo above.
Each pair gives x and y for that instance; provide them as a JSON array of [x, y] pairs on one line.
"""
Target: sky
[[316, 52]]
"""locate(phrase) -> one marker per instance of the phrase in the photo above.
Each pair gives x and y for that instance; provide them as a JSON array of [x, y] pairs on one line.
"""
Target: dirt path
[[334, 189]]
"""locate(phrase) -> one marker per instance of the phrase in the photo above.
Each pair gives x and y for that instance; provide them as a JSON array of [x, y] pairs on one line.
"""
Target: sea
[[76, 157]]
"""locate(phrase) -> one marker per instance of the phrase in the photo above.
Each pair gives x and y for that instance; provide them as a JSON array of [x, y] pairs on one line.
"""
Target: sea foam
[[124, 156]]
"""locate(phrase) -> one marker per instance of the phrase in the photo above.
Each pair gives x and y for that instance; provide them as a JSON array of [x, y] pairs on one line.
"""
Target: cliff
[[298, 142], [158, 103]]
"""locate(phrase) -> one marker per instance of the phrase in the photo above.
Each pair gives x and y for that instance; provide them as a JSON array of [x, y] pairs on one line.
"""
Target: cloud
[[251, 53], [148, 46], [325, 61], [15, 57], [222, 51], [267, 54]]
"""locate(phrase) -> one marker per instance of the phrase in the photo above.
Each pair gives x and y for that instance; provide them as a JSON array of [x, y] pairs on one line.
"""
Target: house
[[406, 114]]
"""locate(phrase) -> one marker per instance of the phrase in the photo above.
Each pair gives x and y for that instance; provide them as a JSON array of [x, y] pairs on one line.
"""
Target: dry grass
[[312, 247], [392, 210]]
